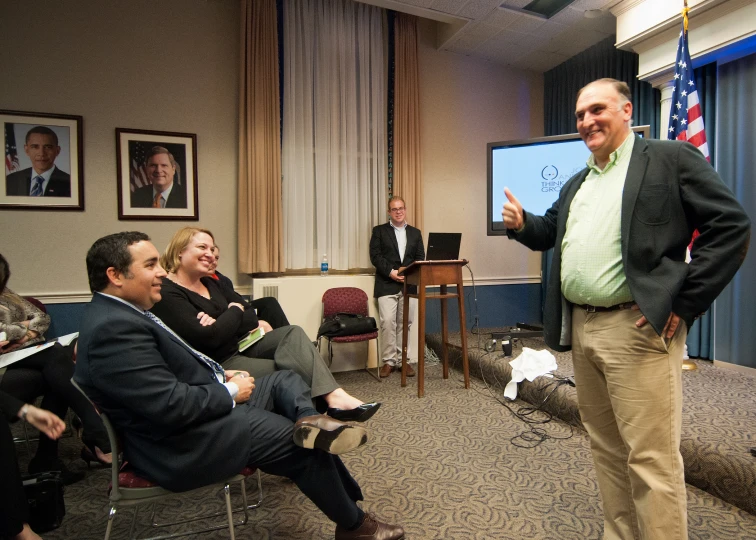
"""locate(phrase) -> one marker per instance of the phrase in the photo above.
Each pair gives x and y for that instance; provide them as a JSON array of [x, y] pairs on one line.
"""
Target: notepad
[[14, 356], [250, 339]]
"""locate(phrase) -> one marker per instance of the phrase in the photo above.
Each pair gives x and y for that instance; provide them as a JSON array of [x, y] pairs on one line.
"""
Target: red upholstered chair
[[349, 300], [36, 303], [126, 489]]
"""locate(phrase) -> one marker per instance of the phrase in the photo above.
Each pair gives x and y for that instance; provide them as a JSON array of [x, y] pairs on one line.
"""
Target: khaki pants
[[629, 386], [391, 315]]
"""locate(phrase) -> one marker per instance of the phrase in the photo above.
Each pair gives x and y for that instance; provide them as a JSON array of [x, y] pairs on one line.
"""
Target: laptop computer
[[443, 246]]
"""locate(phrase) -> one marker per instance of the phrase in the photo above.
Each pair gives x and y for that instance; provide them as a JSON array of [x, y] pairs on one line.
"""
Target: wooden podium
[[424, 274]]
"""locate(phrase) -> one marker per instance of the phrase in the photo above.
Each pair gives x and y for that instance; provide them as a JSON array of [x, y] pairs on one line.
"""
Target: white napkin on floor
[[529, 365]]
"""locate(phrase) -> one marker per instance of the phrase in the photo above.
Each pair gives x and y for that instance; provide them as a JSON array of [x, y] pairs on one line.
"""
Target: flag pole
[[687, 365]]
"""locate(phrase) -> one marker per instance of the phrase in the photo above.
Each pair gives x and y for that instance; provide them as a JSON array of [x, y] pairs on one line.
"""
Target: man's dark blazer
[[670, 191], [177, 423], [384, 254], [142, 197], [19, 183]]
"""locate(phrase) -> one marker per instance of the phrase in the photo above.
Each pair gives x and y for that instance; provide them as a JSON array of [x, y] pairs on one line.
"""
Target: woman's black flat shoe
[[358, 414]]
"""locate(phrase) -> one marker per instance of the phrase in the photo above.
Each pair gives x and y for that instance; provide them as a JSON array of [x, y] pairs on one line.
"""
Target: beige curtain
[[260, 247], [334, 152], [408, 174]]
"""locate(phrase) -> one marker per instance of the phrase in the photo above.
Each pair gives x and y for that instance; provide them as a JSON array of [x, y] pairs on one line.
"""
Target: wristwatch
[[24, 411]]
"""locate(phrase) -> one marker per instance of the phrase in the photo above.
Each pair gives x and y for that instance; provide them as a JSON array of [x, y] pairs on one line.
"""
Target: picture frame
[[44, 161], [146, 160]]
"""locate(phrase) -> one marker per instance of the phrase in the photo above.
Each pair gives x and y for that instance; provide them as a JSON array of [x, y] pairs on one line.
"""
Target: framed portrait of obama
[[44, 162], [157, 175]]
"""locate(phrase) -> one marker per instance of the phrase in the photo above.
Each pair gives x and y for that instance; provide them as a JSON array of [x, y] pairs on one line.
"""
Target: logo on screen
[[549, 172]]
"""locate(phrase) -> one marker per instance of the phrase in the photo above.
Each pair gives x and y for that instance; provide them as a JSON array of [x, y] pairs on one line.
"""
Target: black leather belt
[[598, 309]]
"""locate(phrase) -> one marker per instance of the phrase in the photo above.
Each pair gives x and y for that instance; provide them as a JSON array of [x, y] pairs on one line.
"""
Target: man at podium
[[393, 245]]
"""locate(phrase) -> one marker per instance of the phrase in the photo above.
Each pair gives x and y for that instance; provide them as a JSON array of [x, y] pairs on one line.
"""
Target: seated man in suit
[[43, 178], [186, 423], [163, 192]]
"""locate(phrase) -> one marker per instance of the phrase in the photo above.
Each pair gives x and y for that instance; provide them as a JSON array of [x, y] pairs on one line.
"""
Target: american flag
[[685, 117], [138, 173], [11, 152]]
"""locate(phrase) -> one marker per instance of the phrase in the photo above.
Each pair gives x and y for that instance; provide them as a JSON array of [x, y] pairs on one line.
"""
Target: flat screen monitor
[[534, 170]]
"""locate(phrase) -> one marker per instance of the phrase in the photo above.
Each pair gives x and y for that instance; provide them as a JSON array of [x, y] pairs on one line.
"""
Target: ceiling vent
[[545, 9]]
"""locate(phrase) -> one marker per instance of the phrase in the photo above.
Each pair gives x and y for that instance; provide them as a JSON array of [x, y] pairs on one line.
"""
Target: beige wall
[[172, 66], [465, 104], [168, 66]]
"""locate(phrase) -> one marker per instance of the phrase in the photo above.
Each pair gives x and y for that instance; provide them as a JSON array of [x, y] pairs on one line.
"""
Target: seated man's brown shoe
[[386, 370], [327, 434], [371, 529], [410, 371]]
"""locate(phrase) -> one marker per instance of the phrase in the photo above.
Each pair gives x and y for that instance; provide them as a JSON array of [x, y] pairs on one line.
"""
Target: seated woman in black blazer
[[196, 307], [47, 373]]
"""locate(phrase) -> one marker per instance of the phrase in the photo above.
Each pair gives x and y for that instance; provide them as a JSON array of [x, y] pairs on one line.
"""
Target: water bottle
[[324, 266]]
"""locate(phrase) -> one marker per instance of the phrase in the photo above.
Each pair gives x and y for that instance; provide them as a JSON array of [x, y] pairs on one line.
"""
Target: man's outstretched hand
[[511, 212]]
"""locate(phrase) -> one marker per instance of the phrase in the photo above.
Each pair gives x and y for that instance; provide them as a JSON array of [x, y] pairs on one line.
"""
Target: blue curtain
[[700, 342], [735, 310], [562, 83]]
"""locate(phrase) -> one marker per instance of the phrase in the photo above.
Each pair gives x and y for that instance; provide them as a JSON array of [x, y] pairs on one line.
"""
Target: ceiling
[[498, 31]]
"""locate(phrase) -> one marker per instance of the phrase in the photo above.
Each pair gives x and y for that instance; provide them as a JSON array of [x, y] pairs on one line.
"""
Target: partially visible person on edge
[[163, 191], [47, 373], [43, 178], [393, 245], [185, 422], [197, 309], [268, 309], [14, 508], [622, 297]]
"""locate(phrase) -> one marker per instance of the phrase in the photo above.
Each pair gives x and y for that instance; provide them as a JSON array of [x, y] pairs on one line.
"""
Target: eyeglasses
[[398, 209]]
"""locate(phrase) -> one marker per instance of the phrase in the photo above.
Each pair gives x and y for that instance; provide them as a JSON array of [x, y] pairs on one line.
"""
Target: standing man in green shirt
[[622, 297]]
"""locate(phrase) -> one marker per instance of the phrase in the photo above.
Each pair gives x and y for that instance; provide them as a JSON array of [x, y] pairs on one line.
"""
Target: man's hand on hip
[[673, 321]]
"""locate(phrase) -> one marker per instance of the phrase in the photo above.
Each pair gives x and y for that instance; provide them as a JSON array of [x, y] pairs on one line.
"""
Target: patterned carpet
[[719, 420], [444, 466]]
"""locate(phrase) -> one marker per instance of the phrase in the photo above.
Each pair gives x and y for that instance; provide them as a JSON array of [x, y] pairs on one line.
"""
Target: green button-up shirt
[[592, 270]]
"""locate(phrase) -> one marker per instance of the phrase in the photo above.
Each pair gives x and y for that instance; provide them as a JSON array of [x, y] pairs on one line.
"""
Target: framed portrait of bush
[[44, 162], [157, 175]]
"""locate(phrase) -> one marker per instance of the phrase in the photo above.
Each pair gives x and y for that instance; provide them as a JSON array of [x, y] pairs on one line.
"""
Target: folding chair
[[128, 489]]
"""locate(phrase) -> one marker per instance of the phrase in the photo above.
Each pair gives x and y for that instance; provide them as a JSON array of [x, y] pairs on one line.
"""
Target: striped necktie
[[220, 374], [37, 187], [157, 202]]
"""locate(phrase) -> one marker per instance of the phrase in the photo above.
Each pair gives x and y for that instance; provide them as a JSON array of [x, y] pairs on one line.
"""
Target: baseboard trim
[[736, 367], [60, 298], [85, 297]]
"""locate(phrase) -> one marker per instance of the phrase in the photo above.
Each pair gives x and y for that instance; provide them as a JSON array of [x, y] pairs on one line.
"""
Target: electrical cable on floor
[[533, 436], [431, 358], [475, 328]]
